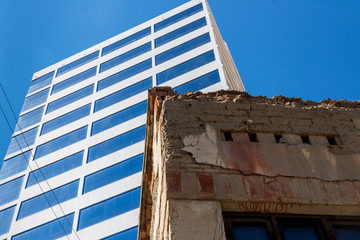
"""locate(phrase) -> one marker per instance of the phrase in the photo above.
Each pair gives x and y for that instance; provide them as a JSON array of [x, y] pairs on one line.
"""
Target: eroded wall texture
[[231, 152]]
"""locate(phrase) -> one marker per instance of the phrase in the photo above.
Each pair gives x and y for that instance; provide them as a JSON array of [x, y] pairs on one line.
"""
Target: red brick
[[148, 211], [173, 181], [143, 234], [206, 183], [148, 225]]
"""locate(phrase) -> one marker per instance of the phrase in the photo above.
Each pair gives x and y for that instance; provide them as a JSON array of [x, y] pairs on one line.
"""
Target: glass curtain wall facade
[[73, 167]]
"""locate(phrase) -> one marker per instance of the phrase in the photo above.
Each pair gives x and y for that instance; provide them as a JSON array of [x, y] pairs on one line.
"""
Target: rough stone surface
[[356, 123], [208, 142], [196, 220], [277, 159]]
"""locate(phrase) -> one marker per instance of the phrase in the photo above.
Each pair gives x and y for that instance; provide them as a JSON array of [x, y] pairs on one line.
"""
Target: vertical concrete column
[[189, 218]]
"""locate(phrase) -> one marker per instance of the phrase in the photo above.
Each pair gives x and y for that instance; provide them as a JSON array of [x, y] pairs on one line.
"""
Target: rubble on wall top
[[224, 96]]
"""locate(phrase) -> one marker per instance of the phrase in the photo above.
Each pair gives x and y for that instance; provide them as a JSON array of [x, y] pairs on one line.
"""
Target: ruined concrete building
[[226, 164]]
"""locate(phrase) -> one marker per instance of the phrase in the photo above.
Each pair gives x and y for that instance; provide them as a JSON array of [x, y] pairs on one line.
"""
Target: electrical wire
[[38, 168], [27, 161]]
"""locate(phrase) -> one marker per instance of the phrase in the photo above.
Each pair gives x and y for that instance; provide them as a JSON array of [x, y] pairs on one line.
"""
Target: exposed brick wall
[[262, 155]]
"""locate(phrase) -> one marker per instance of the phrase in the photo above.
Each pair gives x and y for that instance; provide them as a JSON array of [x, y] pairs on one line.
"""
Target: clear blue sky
[[302, 48]]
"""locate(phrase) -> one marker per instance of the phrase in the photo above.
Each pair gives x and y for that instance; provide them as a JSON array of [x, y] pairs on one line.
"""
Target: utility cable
[[38, 168], [27, 161], [21, 132]]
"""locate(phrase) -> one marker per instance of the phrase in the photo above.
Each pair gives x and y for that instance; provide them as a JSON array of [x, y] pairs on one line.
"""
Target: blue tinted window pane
[[66, 119], [60, 142], [178, 17], [15, 165], [123, 94], [40, 82], [251, 232], [119, 117], [10, 191], [185, 67], [128, 234], [73, 97], [180, 32], [116, 143], [73, 80], [54, 169], [6, 217], [52, 230], [347, 233], [48, 199], [109, 208], [22, 141], [35, 99], [125, 57], [183, 48], [126, 41], [77, 63], [199, 83], [29, 119], [300, 233], [113, 173], [120, 76]]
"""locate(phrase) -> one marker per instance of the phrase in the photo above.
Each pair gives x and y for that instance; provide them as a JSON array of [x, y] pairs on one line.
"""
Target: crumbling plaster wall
[[288, 176]]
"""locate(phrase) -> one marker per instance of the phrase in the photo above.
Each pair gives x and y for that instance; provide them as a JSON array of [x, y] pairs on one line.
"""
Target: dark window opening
[[277, 138], [331, 140], [253, 137], [301, 228], [250, 231], [343, 232], [294, 227], [305, 139], [228, 136]]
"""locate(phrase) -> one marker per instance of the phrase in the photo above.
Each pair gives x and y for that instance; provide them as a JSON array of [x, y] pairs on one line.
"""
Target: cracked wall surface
[[251, 154]]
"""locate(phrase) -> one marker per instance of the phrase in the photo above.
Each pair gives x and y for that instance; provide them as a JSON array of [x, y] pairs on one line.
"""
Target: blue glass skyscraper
[[73, 167]]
